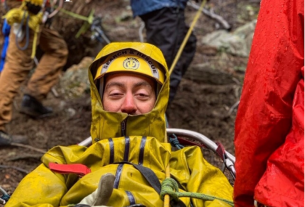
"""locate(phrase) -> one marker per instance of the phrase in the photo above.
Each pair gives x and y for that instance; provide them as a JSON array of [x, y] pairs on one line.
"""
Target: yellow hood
[[110, 124]]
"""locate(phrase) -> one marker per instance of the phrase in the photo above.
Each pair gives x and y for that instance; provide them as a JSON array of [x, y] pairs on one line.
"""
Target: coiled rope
[[170, 187], [27, 32], [24, 18]]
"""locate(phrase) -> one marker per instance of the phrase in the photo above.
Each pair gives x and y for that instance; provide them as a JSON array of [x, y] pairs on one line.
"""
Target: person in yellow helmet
[[129, 82], [126, 163]]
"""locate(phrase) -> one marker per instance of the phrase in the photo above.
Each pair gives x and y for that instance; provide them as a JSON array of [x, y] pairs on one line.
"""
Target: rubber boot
[[7, 140], [32, 107]]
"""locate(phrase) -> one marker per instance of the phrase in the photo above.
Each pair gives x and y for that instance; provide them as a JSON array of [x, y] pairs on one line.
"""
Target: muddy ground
[[203, 105]]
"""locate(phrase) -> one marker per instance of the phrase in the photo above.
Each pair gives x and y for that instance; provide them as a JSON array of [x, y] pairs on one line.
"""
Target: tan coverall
[[18, 63]]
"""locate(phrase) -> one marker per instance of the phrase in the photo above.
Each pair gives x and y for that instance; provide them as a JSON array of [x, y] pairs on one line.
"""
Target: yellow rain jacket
[[121, 142]]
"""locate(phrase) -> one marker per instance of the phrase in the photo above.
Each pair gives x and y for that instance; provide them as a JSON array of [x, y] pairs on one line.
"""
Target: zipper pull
[[123, 127]]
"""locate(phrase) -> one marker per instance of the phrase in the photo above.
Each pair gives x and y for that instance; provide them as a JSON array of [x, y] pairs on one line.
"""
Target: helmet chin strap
[[101, 87], [157, 89]]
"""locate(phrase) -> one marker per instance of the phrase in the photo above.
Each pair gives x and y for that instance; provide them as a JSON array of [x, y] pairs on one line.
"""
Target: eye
[[142, 94], [115, 94]]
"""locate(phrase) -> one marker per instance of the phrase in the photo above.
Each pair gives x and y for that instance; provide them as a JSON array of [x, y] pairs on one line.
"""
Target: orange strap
[[78, 169]]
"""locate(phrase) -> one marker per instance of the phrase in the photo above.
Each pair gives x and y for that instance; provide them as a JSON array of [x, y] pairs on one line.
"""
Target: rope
[[167, 171], [77, 16], [142, 26], [24, 18], [27, 31], [170, 187], [175, 142], [34, 26], [35, 42], [88, 21], [186, 38]]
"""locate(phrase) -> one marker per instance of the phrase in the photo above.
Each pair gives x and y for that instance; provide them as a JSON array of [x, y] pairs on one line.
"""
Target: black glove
[[199, 1], [85, 205], [82, 205], [33, 8]]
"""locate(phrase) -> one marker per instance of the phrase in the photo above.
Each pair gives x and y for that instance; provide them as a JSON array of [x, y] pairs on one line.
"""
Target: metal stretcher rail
[[199, 137], [229, 158]]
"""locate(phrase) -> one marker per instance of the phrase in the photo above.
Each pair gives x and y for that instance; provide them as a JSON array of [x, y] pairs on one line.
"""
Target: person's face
[[129, 93]]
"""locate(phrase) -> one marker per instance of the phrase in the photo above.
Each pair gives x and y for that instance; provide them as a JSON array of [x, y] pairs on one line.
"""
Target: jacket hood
[[112, 124]]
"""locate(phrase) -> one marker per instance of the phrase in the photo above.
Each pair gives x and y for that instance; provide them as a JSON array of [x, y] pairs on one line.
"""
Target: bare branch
[[29, 147], [22, 157], [16, 168], [210, 13]]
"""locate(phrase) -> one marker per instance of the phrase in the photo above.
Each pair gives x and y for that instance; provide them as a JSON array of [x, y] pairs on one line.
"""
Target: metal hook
[[5, 196]]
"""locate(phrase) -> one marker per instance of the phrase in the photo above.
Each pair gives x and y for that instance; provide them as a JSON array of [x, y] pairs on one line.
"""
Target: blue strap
[[6, 31]]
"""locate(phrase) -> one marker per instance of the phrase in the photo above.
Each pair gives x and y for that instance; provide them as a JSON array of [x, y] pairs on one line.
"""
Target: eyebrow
[[121, 85], [143, 83], [108, 85]]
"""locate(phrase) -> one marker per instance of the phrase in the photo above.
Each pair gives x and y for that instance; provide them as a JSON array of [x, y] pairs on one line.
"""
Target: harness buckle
[[257, 204], [5, 196]]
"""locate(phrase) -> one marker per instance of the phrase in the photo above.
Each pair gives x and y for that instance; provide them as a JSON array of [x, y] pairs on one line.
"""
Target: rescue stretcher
[[219, 156], [216, 155]]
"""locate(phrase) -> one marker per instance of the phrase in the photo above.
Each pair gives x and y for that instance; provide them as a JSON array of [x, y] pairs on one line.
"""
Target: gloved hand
[[100, 197], [13, 15], [102, 194], [33, 6], [85, 205], [200, 1]]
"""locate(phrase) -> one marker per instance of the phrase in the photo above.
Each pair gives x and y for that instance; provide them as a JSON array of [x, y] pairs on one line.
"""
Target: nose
[[129, 105]]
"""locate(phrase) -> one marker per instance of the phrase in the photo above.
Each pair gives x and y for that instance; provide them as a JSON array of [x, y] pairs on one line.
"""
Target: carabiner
[[5, 197]]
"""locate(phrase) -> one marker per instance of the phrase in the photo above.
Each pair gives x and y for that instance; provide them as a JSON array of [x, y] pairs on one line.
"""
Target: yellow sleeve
[[40, 188]]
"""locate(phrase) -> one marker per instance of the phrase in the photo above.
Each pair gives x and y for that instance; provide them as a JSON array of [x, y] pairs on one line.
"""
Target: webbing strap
[[78, 169], [220, 151], [148, 174], [118, 176], [130, 198], [141, 153], [111, 148]]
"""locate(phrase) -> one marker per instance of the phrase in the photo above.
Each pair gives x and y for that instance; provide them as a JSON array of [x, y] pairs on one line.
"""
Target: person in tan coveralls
[[17, 66]]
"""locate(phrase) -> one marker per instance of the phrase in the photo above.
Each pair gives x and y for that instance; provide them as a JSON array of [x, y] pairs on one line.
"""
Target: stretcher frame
[[227, 158]]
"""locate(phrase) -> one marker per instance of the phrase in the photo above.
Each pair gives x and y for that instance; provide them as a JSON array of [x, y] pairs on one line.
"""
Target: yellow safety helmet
[[129, 60], [35, 2], [134, 57]]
